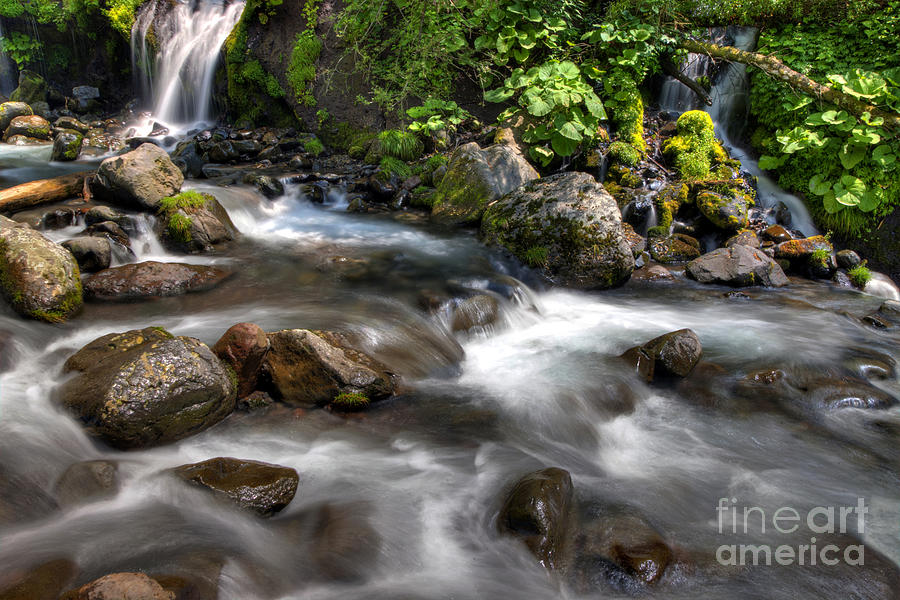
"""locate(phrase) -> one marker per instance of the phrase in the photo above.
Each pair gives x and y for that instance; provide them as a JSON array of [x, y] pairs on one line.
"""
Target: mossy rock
[[624, 154], [11, 110], [676, 248], [669, 201], [32, 88], [726, 211], [31, 126], [67, 145], [624, 176], [694, 148], [194, 222]]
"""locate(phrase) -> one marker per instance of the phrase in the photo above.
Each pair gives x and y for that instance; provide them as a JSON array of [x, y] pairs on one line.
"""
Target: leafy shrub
[[301, 69], [394, 167], [859, 276]]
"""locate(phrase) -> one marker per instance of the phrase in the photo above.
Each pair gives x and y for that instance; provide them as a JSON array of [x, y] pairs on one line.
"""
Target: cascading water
[[175, 48], [730, 106]]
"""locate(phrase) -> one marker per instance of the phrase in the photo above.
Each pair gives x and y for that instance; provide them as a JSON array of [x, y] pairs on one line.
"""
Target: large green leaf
[[541, 154], [562, 145], [498, 95], [569, 70], [869, 201], [849, 191], [595, 106], [767, 163], [570, 130], [831, 204], [537, 106], [818, 185], [851, 155], [884, 156]]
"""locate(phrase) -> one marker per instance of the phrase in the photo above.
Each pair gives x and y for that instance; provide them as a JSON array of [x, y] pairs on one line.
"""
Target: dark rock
[[223, 152], [87, 481], [777, 234], [538, 511], [121, 586], [66, 145], [744, 238], [91, 253], [101, 214], [567, 225], [672, 354], [652, 273], [847, 259], [48, 217], [138, 179], [477, 311], [842, 279], [109, 230], [151, 279], [71, 123], [307, 368], [44, 582], [32, 88], [738, 266], [257, 486], [636, 241], [86, 97], [146, 387], [243, 347], [188, 158], [269, 187]]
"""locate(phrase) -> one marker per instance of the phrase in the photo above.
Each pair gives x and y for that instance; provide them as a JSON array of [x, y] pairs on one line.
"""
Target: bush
[[859, 276]]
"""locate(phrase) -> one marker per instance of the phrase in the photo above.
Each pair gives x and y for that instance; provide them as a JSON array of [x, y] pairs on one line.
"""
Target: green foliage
[[394, 167], [399, 144], [179, 227], [314, 146], [859, 276], [301, 69], [819, 257], [515, 31], [624, 154], [536, 256], [187, 201], [436, 115], [694, 148], [121, 15], [21, 48], [747, 12], [350, 401]]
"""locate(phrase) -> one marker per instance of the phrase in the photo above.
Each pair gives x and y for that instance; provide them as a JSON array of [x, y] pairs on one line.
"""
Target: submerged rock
[[244, 348], [86, 481], [257, 486], [568, 226], [312, 368], [121, 586], [476, 177], [477, 311], [43, 582], [38, 278], [538, 511], [737, 266], [671, 354], [138, 179], [152, 279], [147, 387]]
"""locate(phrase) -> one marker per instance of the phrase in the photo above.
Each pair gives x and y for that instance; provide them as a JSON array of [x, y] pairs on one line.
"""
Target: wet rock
[[109, 230], [652, 273], [188, 158], [744, 238], [66, 145], [243, 347], [33, 127], [71, 123], [725, 211], [812, 388], [345, 546], [147, 387], [269, 187], [794, 250], [38, 278], [196, 228], [738, 266], [11, 110], [255, 401], [223, 152], [24, 140], [138, 179], [568, 226], [48, 217], [847, 259], [777, 234], [121, 586], [538, 511], [842, 279], [102, 214], [311, 368], [152, 279], [44, 582], [345, 267], [87, 481], [676, 248], [91, 253], [886, 317], [673, 354], [476, 177], [636, 241], [247, 149], [32, 88], [477, 311], [257, 486]]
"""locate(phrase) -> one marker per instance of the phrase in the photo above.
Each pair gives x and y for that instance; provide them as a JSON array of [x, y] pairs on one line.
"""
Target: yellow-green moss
[[694, 148], [624, 154]]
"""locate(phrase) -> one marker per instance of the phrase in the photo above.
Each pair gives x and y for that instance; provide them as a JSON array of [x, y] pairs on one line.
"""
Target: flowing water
[[730, 97], [175, 48]]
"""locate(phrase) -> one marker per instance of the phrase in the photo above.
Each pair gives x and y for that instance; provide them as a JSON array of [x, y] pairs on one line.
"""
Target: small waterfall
[[175, 48], [730, 94]]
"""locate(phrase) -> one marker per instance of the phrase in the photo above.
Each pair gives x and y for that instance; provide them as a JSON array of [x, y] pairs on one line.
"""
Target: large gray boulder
[[194, 222], [567, 226], [313, 368], [38, 278], [92, 253], [138, 179], [476, 177], [737, 266], [147, 387]]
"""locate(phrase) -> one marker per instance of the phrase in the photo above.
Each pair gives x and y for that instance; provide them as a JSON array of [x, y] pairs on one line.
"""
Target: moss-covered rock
[[147, 387], [574, 220], [476, 177], [693, 150], [11, 110], [676, 248], [138, 179], [32, 88], [66, 145], [194, 222], [727, 210], [31, 126], [624, 154], [38, 278], [669, 200]]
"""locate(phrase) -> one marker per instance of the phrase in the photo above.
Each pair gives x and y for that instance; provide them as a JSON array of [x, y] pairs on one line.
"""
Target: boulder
[[676, 248], [72, 124], [33, 127], [244, 348], [257, 486], [777, 234], [674, 354], [152, 279], [312, 368], [188, 158], [87, 481], [725, 211], [566, 225], [138, 179], [24, 140], [737, 266], [194, 222], [477, 311], [147, 387], [102, 214], [120, 586], [109, 230], [38, 278], [268, 186], [538, 511], [744, 238], [476, 177], [32, 88], [802, 249], [66, 145], [847, 259], [92, 253], [11, 110], [85, 97]]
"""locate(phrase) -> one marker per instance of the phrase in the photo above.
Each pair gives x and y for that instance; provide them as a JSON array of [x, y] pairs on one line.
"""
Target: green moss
[[658, 231], [163, 332], [301, 69], [350, 401], [70, 303], [628, 115], [314, 146], [187, 201], [536, 256], [669, 200], [694, 148], [179, 227], [859, 276], [624, 154], [121, 15]]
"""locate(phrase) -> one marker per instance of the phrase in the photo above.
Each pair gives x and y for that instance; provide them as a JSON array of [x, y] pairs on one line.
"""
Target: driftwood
[[43, 191], [779, 70]]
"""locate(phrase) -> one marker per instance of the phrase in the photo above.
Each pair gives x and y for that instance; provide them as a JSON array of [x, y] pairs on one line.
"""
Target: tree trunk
[[779, 70], [44, 191]]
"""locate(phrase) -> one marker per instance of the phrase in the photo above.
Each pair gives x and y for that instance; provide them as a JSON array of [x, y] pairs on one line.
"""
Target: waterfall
[[730, 94], [175, 48]]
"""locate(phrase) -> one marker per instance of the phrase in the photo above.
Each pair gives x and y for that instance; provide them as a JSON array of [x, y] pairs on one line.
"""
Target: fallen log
[[43, 191], [670, 69], [779, 70]]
